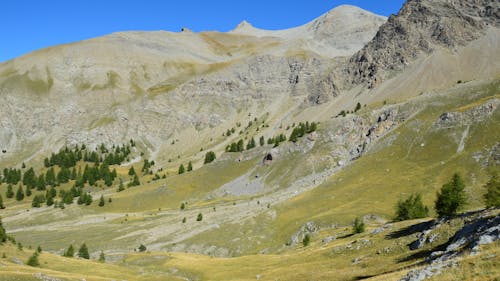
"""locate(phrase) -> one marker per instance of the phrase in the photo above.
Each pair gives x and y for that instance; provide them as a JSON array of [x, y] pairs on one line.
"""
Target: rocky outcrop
[[479, 229], [420, 27], [467, 117]]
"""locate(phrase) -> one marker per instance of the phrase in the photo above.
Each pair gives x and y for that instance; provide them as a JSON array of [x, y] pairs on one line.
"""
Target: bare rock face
[[419, 28], [473, 115]]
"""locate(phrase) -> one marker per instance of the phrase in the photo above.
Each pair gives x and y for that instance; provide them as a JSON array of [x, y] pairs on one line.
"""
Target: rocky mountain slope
[[419, 28], [135, 84], [400, 106]]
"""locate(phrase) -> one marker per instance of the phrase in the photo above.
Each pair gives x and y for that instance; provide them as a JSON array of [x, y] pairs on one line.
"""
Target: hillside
[[212, 156]]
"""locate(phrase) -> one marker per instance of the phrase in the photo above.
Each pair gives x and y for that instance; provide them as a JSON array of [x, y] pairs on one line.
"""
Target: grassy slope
[[370, 185]]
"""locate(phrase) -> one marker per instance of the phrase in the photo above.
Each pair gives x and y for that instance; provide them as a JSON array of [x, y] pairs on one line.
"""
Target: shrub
[[358, 107], [411, 208], [101, 257], [200, 217], [359, 226], [492, 195], [451, 197], [33, 260], [306, 240], [142, 248], [209, 157]]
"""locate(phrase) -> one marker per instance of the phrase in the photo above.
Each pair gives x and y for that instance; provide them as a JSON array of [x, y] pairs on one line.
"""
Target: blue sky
[[26, 26]]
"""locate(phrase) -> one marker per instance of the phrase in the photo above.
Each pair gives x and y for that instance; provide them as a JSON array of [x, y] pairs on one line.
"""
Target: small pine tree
[[190, 167], [184, 220], [3, 233], [492, 195], [102, 258], [359, 226], [451, 197], [121, 187], [131, 171], [183, 206], [19, 194], [262, 141], [181, 169], [101, 201], [358, 107], [307, 240], [83, 252], [2, 206], [28, 192], [199, 217], [39, 249], [70, 252], [9, 193], [33, 260], [135, 181]]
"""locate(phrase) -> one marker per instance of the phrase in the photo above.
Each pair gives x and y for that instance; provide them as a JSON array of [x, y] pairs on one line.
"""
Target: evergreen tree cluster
[[69, 157], [302, 129], [146, 166], [236, 146], [276, 140], [11, 175]]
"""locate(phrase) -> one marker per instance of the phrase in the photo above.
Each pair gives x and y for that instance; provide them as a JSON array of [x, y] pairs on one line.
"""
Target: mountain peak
[[244, 25]]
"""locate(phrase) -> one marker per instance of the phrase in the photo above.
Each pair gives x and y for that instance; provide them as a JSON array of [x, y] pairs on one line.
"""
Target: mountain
[[251, 154], [134, 84], [340, 32], [420, 28]]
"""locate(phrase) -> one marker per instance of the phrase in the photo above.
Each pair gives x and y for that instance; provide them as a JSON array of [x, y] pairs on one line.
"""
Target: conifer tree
[[2, 206], [131, 171], [262, 141], [102, 257], [492, 195], [28, 191], [451, 197], [50, 177], [83, 252], [19, 193], [190, 167], [135, 181], [101, 201], [9, 193], [3, 234], [70, 252], [121, 187], [181, 169], [33, 260]]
